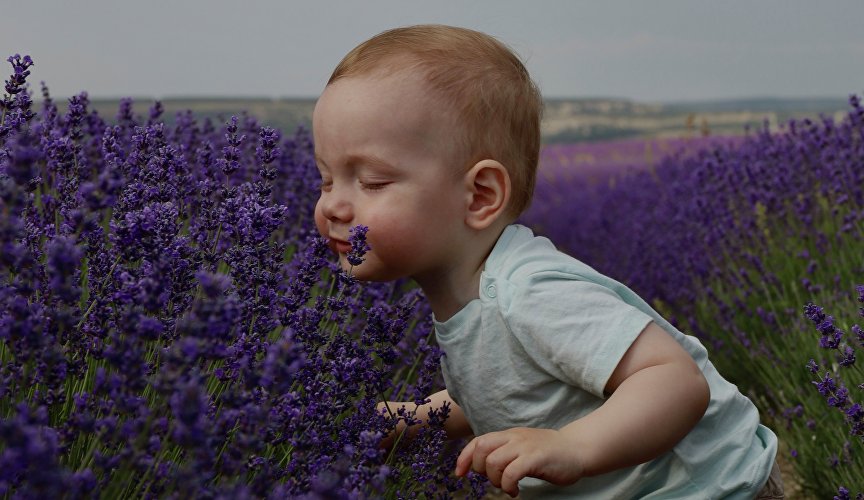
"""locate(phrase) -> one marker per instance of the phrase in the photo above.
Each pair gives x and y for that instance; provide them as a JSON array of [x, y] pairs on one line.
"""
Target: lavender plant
[[729, 243], [840, 355], [172, 327]]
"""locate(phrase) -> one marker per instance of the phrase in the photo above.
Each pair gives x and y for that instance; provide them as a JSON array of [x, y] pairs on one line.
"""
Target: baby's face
[[387, 161]]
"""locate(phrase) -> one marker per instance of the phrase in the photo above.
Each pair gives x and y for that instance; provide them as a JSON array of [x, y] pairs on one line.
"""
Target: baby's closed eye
[[374, 185]]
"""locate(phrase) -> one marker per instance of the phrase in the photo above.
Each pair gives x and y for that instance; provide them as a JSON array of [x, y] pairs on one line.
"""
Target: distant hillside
[[285, 113], [577, 120], [565, 120], [765, 104]]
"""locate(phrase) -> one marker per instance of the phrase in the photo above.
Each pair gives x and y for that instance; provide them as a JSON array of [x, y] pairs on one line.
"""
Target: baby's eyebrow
[[359, 160], [370, 160]]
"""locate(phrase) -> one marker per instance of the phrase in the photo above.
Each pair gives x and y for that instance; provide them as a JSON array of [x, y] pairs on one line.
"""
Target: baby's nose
[[335, 206]]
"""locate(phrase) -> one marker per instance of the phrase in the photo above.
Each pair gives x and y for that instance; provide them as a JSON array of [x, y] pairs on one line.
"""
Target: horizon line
[[222, 97]]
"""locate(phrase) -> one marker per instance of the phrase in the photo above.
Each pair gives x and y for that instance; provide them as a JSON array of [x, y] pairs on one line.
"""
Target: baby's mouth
[[340, 246]]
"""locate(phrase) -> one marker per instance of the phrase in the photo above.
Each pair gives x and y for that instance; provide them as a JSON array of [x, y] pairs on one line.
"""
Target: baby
[[572, 385]]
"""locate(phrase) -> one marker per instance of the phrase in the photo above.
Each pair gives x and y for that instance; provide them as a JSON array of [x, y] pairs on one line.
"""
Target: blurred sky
[[662, 50]]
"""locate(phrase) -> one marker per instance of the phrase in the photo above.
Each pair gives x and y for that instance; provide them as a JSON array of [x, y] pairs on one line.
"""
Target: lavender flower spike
[[359, 246], [860, 290]]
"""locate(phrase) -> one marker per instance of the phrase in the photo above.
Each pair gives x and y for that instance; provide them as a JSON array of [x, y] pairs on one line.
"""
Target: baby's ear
[[488, 184]]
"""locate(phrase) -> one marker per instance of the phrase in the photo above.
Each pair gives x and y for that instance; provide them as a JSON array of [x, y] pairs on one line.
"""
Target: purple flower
[[16, 81], [268, 149], [842, 494], [76, 115], [125, 116], [855, 413], [64, 260], [284, 358], [860, 290], [230, 162], [31, 453], [189, 405], [155, 111], [814, 313], [859, 334], [359, 246], [847, 357], [831, 339], [826, 385], [831, 336], [839, 398], [15, 106]]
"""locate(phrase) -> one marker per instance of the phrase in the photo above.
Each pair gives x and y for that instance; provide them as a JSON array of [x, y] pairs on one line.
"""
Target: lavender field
[[173, 327], [600, 162]]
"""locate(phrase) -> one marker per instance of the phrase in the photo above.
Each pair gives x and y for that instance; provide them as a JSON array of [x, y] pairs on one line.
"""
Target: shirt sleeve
[[577, 331]]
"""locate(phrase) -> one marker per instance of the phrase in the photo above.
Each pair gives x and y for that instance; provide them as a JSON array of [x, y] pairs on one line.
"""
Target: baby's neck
[[451, 289], [448, 297]]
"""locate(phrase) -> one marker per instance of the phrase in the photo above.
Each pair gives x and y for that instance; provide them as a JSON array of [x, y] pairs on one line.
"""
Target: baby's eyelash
[[374, 186]]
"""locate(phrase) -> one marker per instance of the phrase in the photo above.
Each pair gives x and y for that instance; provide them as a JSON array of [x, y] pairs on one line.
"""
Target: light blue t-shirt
[[536, 350]]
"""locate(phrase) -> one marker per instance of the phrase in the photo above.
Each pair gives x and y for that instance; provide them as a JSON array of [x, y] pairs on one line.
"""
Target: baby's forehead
[[409, 79], [385, 108], [401, 91]]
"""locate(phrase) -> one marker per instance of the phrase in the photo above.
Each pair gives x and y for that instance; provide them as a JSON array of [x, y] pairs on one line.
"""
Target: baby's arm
[[658, 395], [456, 426]]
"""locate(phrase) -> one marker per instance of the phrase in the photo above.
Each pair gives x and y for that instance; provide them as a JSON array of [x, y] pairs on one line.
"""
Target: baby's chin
[[363, 272]]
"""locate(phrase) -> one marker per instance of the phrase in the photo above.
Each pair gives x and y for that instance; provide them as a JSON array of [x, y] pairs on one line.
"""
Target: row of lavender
[[601, 162], [732, 243], [170, 326]]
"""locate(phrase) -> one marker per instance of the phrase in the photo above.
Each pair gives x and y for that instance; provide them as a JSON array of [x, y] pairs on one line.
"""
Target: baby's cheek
[[393, 244], [321, 222]]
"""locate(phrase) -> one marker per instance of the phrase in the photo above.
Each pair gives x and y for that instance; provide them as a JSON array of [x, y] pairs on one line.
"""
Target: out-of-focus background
[[610, 70]]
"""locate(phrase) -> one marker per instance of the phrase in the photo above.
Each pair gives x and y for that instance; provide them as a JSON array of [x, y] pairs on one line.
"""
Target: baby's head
[[428, 135], [494, 105]]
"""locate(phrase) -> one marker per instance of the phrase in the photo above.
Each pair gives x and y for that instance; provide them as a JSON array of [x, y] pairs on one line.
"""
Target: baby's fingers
[[497, 462], [513, 473], [474, 455], [466, 458]]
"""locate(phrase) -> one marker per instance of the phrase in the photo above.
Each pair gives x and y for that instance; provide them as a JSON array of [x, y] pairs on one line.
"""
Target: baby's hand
[[505, 457]]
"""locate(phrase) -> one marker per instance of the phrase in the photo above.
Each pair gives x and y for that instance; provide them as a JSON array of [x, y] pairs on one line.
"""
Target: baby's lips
[[340, 246]]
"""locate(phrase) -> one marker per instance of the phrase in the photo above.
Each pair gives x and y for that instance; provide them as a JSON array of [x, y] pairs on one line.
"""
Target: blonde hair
[[498, 105]]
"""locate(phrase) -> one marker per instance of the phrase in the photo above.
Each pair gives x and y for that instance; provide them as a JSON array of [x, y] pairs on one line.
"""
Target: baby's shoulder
[[540, 261], [527, 263]]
